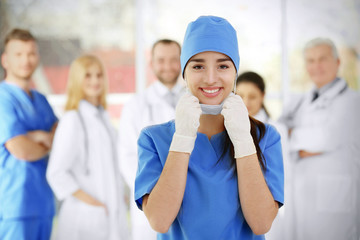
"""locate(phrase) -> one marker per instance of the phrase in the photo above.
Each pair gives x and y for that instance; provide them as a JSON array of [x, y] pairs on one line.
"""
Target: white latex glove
[[237, 124], [187, 121]]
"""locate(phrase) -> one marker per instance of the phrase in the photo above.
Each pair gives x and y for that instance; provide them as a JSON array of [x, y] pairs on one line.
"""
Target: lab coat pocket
[[335, 194], [93, 222]]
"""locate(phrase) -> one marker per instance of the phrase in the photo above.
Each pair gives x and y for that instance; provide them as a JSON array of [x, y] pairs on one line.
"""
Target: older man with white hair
[[323, 127]]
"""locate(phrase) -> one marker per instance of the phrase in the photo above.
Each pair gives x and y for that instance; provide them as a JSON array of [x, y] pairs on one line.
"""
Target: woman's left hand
[[237, 124]]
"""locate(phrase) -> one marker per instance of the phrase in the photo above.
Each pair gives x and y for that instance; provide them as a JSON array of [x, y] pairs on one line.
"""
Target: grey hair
[[322, 41]]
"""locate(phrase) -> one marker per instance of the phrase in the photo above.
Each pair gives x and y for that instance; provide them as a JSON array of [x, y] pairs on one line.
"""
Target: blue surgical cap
[[210, 33]]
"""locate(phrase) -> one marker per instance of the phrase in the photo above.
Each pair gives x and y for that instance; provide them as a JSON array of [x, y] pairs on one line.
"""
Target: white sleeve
[[128, 133], [65, 152]]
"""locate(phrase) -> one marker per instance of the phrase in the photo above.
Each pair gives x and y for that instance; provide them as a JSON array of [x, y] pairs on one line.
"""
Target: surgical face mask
[[213, 109]]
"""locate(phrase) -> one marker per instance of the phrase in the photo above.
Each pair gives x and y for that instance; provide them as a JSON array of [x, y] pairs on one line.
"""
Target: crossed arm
[[32, 146]]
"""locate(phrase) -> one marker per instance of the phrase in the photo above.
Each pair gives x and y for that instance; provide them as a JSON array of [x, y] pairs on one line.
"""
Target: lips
[[211, 92]]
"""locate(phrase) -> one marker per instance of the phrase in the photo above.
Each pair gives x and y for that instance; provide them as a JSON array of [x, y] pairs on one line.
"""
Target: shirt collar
[[262, 116], [89, 108], [162, 90], [323, 89]]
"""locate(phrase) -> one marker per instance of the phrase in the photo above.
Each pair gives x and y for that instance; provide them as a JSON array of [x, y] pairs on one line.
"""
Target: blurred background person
[[323, 126], [251, 87], [156, 105], [27, 127], [83, 169]]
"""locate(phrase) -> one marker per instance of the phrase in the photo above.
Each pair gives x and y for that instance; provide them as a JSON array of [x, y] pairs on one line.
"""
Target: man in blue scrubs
[[27, 127]]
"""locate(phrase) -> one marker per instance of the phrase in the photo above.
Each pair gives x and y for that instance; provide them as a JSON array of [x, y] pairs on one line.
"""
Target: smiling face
[[166, 63], [93, 84], [20, 59], [321, 65], [210, 77]]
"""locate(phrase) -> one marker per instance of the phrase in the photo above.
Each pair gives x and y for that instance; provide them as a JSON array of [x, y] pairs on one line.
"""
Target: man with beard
[[27, 128], [156, 105]]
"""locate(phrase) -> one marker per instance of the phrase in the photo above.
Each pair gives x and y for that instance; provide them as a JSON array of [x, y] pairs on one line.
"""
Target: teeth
[[211, 91]]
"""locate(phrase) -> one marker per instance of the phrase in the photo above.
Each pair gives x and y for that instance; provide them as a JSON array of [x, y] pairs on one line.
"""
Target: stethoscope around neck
[[86, 137]]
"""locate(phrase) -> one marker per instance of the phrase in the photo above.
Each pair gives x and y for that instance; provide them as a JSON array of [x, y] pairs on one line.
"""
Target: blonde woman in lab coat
[[83, 170]]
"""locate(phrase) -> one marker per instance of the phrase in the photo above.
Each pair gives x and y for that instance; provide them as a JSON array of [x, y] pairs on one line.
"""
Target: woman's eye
[[223, 66], [197, 67]]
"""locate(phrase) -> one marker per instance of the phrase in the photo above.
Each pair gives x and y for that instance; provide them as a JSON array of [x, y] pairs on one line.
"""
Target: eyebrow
[[202, 60]]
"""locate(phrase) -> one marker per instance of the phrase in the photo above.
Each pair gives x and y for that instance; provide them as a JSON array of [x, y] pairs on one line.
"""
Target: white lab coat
[[325, 188], [143, 110], [67, 173]]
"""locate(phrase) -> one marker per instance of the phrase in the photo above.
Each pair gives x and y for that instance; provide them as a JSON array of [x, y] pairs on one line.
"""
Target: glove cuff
[[243, 149], [182, 143]]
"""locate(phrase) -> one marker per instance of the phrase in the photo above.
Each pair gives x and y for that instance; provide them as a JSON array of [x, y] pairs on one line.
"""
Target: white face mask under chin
[[213, 109]]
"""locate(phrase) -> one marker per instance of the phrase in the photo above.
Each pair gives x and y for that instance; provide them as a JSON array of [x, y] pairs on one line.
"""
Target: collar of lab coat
[[330, 93], [328, 86], [87, 108], [162, 90], [262, 116]]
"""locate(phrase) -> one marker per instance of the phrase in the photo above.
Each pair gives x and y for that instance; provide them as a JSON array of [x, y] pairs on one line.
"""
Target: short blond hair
[[77, 73]]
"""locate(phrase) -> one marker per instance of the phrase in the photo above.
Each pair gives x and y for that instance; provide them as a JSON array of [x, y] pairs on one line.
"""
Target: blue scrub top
[[24, 191], [211, 207]]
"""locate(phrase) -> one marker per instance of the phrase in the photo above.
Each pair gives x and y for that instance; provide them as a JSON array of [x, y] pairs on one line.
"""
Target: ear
[[186, 84], [4, 60], [151, 62]]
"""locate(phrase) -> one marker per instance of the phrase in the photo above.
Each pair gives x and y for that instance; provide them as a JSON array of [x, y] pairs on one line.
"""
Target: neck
[[211, 124], [318, 86], [20, 82], [93, 100], [169, 85]]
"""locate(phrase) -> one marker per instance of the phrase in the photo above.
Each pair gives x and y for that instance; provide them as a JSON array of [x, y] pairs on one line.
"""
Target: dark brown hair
[[164, 41], [257, 80], [19, 34]]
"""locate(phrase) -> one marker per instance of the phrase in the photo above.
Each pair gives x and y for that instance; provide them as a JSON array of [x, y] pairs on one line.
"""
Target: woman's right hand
[[86, 198], [187, 121]]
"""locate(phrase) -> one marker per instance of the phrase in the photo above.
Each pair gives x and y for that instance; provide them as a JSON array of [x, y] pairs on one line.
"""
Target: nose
[[246, 102], [211, 76], [166, 66]]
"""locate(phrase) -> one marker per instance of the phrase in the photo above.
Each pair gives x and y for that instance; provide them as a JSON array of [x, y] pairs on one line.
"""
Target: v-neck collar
[[207, 152]]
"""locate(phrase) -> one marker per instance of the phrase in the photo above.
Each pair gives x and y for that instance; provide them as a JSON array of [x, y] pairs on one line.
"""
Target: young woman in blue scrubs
[[213, 173]]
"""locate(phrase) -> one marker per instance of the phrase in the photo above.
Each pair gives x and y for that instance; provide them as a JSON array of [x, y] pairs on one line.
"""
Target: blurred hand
[[304, 154], [41, 137], [86, 198]]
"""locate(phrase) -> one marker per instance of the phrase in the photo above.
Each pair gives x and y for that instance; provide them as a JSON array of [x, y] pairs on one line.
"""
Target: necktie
[[315, 96]]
